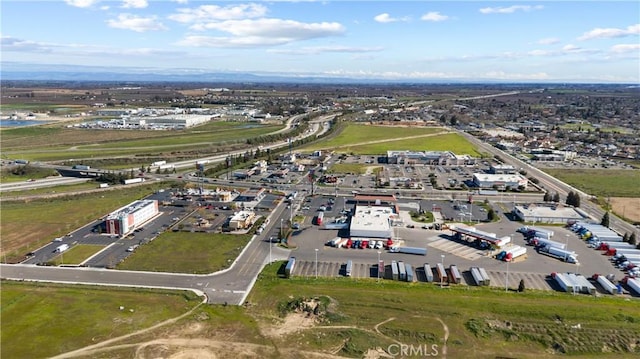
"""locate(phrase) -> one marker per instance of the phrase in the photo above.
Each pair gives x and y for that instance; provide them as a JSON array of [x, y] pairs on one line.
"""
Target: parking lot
[[441, 246]]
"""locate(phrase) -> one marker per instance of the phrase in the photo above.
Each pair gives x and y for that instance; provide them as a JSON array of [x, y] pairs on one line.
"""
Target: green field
[[186, 252], [44, 143], [601, 182], [42, 320], [377, 140], [27, 225], [77, 254]]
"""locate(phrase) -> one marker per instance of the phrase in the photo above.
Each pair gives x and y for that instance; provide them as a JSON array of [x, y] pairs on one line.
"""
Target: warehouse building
[[500, 181], [371, 222], [445, 158], [547, 213], [126, 219]]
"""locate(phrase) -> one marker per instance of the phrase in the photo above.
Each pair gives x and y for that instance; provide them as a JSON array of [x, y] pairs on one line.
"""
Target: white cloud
[[434, 16], [207, 13], [9, 43], [135, 4], [181, 1], [599, 33], [570, 48], [510, 9], [623, 48], [386, 18], [136, 23], [81, 3], [548, 41], [268, 31], [314, 50]]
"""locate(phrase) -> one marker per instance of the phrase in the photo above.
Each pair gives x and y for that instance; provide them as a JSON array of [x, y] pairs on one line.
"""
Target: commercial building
[[502, 169], [124, 220], [445, 158], [371, 222], [546, 154], [547, 213], [251, 195], [241, 220], [500, 181]]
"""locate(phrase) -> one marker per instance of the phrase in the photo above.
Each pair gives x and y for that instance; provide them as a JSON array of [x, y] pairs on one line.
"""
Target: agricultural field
[[621, 188], [366, 139], [189, 252], [42, 320], [55, 143], [29, 224], [318, 318]]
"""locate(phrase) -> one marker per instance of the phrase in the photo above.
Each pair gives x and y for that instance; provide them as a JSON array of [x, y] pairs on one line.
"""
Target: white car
[[379, 245], [372, 244], [57, 239]]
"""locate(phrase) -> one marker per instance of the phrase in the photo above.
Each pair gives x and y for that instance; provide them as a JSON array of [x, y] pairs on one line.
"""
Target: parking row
[[500, 279]]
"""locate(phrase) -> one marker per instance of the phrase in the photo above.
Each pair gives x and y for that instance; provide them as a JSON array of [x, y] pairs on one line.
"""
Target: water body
[[21, 123]]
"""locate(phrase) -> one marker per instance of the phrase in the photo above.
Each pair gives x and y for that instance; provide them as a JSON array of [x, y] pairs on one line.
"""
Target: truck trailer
[[567, 256], [634, 283], [541, 242], [454, 274], [428, 273], [442, 273], [394, 270], [348, 268], [564, 282], [409, 250], [606, 284], [409, 271], [402, 271], [288, 269]]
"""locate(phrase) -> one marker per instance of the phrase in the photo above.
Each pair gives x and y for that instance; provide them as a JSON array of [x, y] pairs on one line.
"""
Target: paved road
[[228, 286]]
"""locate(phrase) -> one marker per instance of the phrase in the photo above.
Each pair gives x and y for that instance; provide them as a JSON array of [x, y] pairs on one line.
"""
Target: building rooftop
[[130, 208], [371, 218]]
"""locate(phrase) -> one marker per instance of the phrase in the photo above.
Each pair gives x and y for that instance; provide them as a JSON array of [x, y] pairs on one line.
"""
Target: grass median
[[187, 252]]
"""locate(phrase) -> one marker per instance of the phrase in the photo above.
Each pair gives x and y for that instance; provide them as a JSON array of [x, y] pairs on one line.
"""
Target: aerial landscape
[[303, 179]]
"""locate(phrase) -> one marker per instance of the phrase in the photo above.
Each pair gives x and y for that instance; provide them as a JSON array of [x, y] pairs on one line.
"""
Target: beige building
[[241, 220]]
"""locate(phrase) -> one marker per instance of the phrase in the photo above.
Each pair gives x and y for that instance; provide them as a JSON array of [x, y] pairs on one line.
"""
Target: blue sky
[[572, 41]]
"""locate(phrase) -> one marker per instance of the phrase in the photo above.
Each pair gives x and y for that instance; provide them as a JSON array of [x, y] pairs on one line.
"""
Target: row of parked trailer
[[541, 240], [624, 256], [576, 283]]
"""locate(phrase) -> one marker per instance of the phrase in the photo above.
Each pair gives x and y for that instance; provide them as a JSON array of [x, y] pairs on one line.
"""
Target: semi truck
[[61, 248], [81, 167], [527, 230], [319, 218], [541, 242], [567, 256], [633, 283], [409, 250], [134, 180]]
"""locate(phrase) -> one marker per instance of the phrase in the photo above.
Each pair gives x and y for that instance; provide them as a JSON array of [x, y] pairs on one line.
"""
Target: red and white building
[[124, 220]]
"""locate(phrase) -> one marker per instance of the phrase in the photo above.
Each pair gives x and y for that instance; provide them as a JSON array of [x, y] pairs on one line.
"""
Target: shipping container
[[428, 272], [288, 269]]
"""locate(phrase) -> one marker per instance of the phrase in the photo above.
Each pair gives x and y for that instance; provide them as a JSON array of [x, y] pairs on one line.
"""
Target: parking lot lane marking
[[206, 285]]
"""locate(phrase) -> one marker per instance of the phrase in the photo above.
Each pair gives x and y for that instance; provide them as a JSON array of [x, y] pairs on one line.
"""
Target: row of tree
[[573, 199]]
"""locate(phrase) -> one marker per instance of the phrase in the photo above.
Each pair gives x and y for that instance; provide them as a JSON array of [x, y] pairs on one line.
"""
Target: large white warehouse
[[500, 181]]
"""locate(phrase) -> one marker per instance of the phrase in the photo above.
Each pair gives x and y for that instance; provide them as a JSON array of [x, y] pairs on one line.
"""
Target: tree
[[521, 286], [625, 238], [570, 197], [633, 240], [491, 214], [605, 220], [556, 197], [547, 197]]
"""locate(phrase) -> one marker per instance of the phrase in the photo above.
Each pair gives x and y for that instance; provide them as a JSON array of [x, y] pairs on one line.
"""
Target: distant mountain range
[[15, 71]]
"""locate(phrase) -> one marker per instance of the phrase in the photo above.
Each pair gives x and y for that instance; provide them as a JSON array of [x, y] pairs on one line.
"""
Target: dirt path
[[446, 337], [91, 348]]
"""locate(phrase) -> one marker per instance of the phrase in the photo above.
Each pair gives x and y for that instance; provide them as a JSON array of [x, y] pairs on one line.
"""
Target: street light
[[442, 258], [316, 263], [506, 286], [270, 245], [281, 228], [379, 265]]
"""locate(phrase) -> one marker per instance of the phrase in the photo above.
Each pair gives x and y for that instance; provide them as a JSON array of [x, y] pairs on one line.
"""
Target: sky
[[566, 41]]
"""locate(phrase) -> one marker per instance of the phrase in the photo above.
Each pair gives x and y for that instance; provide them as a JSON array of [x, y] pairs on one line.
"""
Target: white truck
[[562, 254], [61, 248]]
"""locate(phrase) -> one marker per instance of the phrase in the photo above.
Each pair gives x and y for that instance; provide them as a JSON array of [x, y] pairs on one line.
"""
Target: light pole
[[270, 244], [506, 285], [442, 261], [316, 250], [379, 265], [281, 229]]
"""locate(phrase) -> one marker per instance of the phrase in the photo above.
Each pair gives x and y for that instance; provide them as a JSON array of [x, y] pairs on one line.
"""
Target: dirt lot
[[627, 207]]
